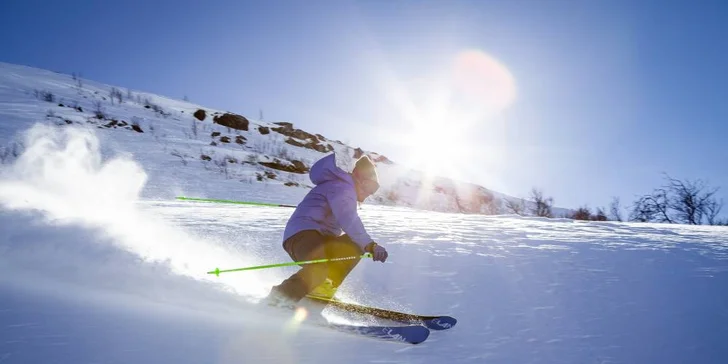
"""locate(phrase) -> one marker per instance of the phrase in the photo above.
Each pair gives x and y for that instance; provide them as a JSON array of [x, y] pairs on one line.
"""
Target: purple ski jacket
[[331, 206]]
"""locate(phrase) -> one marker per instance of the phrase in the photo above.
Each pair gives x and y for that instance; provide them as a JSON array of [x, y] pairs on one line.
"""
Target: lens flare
[[483, 80]]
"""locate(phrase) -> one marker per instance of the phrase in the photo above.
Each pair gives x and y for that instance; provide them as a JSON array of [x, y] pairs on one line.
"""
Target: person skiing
[[326, 225]]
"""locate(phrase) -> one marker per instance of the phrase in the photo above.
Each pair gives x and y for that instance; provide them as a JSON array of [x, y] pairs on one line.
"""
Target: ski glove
[[379, 254]]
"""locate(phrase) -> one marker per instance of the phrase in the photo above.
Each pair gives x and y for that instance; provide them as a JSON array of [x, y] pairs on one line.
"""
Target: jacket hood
[[332, 167]]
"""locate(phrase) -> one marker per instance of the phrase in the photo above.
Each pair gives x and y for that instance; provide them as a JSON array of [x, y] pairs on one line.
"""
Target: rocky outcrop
[[294, 166], [200, 114], [382, 159], [294, 143], [233, 121], [288, 130]]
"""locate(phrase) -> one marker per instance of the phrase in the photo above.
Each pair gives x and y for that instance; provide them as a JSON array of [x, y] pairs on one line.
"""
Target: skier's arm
[[343, 206]]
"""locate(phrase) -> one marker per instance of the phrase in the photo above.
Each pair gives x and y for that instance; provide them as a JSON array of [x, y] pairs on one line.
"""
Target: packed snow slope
[[91, 273], [99, 265]]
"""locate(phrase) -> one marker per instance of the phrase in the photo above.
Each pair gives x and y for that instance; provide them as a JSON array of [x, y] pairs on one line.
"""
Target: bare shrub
[[582, 213], [98, 110], [615, 210], [44, 95], [600, 215], [517, 206], [115, 94], [542, 205], [181, 156]]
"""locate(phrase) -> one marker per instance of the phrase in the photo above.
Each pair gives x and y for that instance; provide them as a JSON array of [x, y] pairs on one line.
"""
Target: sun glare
[[433, 147], [444, 113]]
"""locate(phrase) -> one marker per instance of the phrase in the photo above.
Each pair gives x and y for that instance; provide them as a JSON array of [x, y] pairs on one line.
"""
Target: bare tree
[[615, 209], [542, 206], [79, 83], [652, 208], [686, 202], [690, 200], [517, 207], [712, 209], [115, 93]]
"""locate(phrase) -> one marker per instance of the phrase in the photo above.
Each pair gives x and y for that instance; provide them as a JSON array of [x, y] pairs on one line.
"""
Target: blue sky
[[609, 94]]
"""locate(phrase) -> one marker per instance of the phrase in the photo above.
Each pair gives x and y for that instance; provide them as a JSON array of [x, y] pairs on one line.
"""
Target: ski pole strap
[[217, 271]]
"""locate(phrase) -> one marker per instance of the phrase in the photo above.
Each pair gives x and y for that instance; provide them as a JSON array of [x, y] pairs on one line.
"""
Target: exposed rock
[[311, 145], [215, 133], [234, 121], [137, 128], [295, 166], [205, 157], [299, 166], [288, 130], [382, 159], [225, 139], [240, 139], [319, 147], [200, 114], [264, 130], [294, 143], [291, 184]]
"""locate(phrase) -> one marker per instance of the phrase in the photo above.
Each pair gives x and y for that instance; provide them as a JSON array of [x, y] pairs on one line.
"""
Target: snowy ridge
[[163, 133]]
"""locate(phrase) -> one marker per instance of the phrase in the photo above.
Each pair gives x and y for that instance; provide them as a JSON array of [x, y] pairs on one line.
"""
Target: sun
[[435, 147], [443, 112]]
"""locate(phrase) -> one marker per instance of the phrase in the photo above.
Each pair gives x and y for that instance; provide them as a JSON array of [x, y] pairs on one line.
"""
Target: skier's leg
[[306, 245], [337, 247], [341, 247]]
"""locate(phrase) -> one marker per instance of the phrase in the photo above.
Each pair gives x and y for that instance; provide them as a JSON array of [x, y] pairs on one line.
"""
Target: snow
[[99, 264]]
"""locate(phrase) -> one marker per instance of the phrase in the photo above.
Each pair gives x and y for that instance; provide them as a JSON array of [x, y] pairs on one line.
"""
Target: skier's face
[[365, 188]]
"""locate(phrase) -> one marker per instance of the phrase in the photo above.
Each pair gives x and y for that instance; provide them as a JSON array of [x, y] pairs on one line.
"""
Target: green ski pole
[[217, 271], [182, 198]]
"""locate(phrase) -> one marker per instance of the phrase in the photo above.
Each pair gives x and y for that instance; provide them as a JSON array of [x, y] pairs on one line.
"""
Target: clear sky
[[583, 99]]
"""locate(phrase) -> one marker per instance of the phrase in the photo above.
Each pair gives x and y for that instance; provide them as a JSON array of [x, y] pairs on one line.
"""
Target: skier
[[314, 230]]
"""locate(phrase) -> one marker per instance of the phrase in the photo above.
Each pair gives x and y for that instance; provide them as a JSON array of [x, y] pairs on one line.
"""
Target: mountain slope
[[91, 271], [183, 146]]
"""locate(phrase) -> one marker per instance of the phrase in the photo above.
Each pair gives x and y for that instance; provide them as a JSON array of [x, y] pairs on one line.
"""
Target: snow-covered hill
[[187, 149], [98, 263]]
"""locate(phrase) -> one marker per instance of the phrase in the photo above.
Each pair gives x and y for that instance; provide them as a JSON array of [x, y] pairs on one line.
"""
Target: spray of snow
[[63, 176]]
